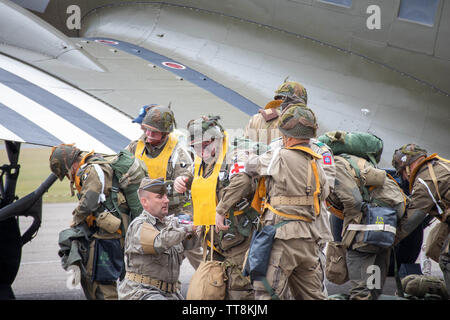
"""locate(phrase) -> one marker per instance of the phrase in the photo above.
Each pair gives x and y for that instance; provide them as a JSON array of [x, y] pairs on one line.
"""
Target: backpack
[[360, 144], [380, 222], [128, 173]]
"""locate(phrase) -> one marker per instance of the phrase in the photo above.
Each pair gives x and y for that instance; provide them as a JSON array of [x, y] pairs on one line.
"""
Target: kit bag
[[208, 281], [360, 144]]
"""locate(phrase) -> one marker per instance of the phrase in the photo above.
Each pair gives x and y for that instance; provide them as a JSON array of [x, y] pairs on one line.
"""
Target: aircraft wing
[[38, 108]]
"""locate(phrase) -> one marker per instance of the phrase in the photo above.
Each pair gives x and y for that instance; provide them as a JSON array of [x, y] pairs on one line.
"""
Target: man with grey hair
[[154, 245]]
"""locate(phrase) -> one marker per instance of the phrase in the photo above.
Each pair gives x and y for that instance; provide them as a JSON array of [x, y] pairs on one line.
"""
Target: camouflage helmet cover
[[298, 121], [62, 158], [205, 128], [406, 155], [159, 118], [291, 88]]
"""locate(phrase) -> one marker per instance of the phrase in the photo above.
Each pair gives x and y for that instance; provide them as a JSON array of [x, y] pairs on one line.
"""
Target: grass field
[[34, 169]]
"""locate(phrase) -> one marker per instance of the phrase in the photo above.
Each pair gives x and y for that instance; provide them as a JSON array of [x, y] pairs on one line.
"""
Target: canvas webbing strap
[[372, 227]]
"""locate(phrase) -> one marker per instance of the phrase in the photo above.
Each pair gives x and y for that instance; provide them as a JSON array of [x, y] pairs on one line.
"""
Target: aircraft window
[[344, 3], [422, 11]]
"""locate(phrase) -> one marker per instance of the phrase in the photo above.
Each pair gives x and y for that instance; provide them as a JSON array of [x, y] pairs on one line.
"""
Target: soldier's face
[[206, 150], [156, 204], [153, 137]]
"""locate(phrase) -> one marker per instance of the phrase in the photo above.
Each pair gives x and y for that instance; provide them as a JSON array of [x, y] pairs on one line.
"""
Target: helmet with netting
[[298, 121], [205, 128], [62, 158], [293, 89], [159, 118], [406, 155]]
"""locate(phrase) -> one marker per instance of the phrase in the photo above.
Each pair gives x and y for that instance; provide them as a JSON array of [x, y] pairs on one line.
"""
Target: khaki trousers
[[294, 270]]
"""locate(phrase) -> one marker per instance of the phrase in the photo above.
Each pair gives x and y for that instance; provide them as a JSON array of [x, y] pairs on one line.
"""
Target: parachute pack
[[360, 144], [128, 173]]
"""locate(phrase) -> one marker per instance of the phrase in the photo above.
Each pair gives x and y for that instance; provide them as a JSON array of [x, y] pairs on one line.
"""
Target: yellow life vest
[[157, 167], [203, 190]]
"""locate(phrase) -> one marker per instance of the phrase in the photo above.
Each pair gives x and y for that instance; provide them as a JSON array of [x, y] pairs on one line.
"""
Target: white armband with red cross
[[237, 167]]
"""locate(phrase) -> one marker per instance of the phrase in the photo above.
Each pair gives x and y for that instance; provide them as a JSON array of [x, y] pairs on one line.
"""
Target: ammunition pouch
[[336, 264], [240, 227]]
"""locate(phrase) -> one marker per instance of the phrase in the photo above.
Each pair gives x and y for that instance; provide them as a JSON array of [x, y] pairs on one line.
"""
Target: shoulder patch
[[327, 158]]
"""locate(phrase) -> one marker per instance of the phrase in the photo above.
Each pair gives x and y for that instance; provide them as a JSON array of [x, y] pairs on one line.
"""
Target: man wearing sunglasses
[[221, 194]]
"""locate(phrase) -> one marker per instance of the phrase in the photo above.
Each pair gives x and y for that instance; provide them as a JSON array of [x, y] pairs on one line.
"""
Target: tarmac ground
[[41, 276]]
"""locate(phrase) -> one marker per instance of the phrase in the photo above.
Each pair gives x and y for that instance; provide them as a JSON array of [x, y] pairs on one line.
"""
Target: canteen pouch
[[376, 216], [108, 260], [336, 264], [435, 240], [108, 222]]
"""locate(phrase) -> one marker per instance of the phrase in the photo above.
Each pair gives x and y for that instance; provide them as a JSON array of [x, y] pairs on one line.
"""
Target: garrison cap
[[153, 185]]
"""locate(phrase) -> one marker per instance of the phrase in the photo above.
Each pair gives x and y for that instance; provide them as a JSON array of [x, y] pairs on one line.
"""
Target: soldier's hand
[[180, 184], [220, 223]]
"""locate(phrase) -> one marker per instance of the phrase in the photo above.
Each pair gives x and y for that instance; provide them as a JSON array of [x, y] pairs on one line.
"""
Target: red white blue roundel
[[173, 65], [107, 41]]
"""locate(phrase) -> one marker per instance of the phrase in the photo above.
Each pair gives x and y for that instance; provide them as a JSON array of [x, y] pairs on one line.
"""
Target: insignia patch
[[327, 159], [84, 176], [182, 164]]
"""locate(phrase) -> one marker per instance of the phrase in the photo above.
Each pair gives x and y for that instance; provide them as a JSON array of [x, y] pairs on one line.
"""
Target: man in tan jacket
[[429, 184], [295, 187], [263, 126], [154, 246]]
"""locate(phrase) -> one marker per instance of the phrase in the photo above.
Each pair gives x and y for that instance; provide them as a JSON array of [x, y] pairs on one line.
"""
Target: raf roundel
[[173, 65], [107, 41]]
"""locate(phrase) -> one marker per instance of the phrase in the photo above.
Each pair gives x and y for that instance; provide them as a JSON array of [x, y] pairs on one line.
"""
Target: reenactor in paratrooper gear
[[165, 155], [295, 187], [263, 126], [221, 194], [329, 168], [154, 245], [104, 229], [370, 203], [429, 184]]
